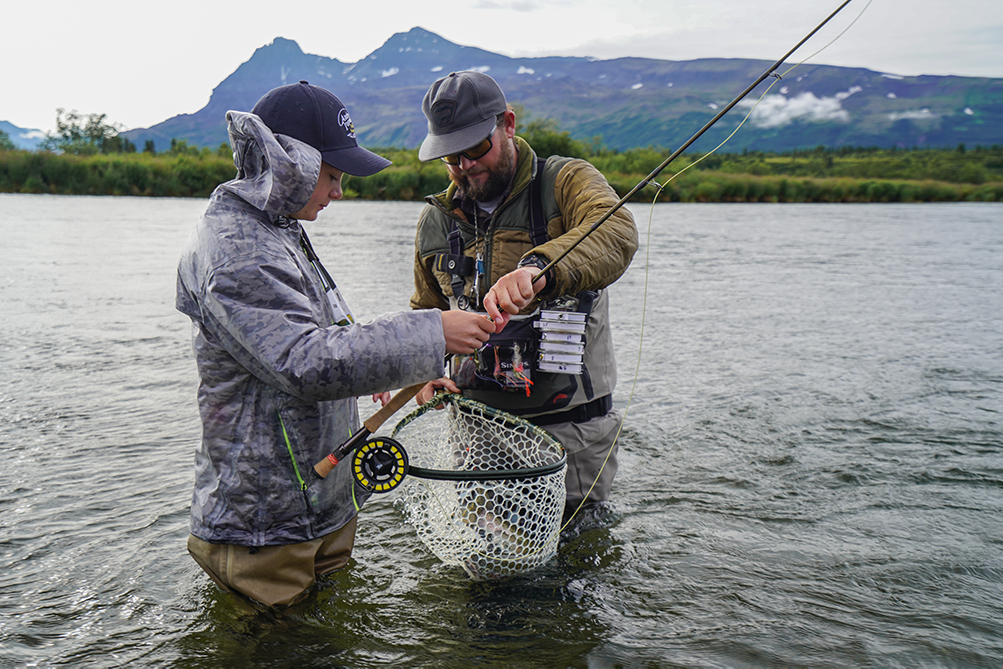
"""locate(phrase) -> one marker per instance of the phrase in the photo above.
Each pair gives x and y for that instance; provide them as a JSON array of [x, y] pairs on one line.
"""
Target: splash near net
[[485, 489]]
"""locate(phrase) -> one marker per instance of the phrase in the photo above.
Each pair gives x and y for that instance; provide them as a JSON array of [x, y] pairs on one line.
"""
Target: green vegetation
[[165, 175], [87, 156], [85, 136], [6, 143], [820, 175]]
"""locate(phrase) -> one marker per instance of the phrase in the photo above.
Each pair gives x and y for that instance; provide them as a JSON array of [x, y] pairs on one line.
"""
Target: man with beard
[[480, 246]]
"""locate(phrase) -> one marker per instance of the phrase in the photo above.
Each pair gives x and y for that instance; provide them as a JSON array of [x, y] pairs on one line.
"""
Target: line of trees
[[86, 135], [91, 134], [87, 155]]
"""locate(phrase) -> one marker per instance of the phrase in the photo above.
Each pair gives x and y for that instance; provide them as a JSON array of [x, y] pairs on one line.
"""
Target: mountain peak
[[417, 42], [419, 36], [283, 46], [627, 102]]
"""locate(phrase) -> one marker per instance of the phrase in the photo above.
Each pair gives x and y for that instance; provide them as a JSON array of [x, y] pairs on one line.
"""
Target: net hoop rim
[[482, 474]]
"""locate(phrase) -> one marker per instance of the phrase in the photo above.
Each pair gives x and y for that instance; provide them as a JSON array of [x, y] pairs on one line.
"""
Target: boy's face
[[328, 188]]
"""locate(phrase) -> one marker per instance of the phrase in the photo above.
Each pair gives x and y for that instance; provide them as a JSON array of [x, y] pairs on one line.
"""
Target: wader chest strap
[[455, 263]]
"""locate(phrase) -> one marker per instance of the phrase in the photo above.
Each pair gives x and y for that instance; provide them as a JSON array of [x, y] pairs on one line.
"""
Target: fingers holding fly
[[465, 332], [513, 292]]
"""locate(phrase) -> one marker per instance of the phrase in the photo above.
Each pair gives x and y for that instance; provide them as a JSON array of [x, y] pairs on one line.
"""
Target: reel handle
[[373, 423]]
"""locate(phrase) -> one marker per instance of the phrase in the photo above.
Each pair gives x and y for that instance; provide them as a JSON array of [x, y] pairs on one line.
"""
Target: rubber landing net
[[485, 489]]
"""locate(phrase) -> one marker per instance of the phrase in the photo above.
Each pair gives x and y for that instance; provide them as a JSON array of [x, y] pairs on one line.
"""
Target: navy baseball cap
[[315, 116], [461, 110]]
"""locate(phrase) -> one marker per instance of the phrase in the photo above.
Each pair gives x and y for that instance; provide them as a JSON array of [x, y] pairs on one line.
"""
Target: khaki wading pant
[[274, 575], [587, 445]]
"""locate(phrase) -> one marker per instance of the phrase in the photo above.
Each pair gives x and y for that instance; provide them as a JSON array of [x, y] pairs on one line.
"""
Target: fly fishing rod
[[549, 266], [380, 464]]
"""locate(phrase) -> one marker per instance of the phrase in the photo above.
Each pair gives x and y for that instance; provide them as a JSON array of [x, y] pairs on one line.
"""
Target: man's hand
[[465, 332], [426, 393], [511, 294]]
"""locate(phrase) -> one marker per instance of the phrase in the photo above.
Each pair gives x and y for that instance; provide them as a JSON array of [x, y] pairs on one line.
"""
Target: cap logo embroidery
[[345, 121], [443, 112]]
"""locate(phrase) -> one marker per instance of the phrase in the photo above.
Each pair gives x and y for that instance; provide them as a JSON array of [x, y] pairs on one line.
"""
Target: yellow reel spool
[[380, 464]]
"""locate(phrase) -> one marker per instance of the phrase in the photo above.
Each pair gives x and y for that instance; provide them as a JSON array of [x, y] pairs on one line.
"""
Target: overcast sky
[[143, 63]]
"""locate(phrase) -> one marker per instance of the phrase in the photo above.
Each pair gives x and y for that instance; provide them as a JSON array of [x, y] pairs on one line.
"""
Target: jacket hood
[[275, 173]]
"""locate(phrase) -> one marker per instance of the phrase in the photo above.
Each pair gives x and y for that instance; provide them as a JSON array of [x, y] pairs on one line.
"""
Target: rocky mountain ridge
[[620, 103]]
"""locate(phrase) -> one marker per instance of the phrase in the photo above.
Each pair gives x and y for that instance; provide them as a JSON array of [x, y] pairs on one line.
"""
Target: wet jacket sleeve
[[262, 315]]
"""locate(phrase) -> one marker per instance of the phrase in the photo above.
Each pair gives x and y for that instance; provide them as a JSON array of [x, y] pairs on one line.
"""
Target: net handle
[[489, 474]]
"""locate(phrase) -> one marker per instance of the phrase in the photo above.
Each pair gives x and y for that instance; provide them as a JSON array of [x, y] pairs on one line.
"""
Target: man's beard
[[497, 181]]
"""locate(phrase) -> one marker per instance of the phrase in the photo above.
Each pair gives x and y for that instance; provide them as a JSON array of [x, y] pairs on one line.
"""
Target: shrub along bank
[[821, 175]]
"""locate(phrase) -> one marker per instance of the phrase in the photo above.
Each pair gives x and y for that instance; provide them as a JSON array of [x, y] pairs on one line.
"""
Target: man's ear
[[509, 123]]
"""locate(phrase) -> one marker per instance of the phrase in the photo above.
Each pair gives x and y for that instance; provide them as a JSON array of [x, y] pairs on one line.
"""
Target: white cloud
[[776, 111], [916, 114], [845, 94], [526, 70]]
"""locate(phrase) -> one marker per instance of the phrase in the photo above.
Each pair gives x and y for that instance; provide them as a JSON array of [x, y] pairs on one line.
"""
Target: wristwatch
[[539, 262]]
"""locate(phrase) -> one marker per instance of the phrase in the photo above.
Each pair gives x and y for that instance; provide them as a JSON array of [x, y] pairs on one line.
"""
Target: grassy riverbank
[[822, 175], [143, 174]]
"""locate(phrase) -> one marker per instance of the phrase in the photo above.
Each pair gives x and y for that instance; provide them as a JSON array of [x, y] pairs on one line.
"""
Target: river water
[[811, 465]]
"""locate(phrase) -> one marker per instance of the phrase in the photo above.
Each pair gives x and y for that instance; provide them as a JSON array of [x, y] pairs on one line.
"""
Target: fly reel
[[380, 464]]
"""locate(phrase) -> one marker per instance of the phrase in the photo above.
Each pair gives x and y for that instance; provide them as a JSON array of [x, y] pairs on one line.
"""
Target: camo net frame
[[485, 489]]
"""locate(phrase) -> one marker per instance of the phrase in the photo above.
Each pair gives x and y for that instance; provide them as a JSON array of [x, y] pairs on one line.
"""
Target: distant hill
[[627, 102], [23, 138]]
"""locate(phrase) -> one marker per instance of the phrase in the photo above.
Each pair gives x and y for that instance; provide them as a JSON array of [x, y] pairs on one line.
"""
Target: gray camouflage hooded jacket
[[278, 380]]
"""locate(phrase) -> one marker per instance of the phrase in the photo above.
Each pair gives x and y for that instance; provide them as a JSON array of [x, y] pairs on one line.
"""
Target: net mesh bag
[[485, 489]]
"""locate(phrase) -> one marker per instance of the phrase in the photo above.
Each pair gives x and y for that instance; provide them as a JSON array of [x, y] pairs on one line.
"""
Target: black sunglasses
[[473, 153]]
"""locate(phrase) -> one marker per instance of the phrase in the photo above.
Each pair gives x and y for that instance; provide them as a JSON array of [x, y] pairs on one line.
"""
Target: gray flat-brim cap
[[461, 110]]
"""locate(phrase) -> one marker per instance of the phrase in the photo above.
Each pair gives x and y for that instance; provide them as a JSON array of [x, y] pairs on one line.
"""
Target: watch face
[[533, 261]]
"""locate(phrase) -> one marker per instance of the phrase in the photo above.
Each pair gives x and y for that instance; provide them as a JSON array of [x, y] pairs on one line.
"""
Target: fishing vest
[[538, 364]]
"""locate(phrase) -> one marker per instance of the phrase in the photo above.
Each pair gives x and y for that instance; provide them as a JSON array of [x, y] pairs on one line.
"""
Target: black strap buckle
[[454, 264]]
